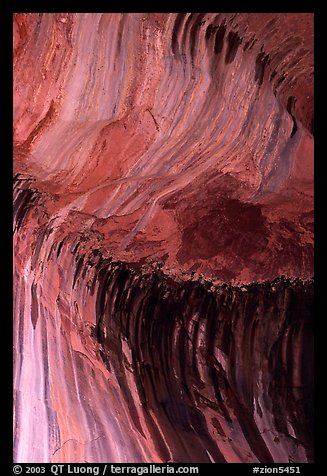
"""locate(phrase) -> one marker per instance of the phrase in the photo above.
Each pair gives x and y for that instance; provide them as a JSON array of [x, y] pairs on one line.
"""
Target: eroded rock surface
[[163, 237]]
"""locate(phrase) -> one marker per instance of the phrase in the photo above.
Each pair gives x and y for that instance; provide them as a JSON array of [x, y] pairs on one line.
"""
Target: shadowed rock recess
[[163, 237]]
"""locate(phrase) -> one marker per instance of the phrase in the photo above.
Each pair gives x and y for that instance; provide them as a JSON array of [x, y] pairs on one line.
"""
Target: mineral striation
[[163, 237]]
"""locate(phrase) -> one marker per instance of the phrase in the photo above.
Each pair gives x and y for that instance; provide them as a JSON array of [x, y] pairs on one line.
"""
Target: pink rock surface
[[175, 141]]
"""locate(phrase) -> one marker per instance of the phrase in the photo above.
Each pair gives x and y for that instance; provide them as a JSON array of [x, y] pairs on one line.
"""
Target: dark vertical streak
[[176, 28], [154, 315], [233, 43]]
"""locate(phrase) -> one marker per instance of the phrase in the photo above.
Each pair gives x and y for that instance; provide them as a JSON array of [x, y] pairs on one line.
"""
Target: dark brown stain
[[225, 225], [154, 315]]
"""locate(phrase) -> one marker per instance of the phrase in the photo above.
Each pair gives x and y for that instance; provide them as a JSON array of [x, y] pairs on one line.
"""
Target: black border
[[6, 11], [6, 272]]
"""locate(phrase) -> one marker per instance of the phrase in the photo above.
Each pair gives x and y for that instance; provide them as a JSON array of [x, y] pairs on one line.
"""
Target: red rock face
[[163, 237]]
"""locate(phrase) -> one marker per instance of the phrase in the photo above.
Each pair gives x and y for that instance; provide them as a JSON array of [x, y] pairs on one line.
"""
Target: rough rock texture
[[163, 237]]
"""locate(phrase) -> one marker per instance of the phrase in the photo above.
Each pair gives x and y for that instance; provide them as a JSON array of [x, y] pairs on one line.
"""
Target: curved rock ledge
[[163, 236]]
